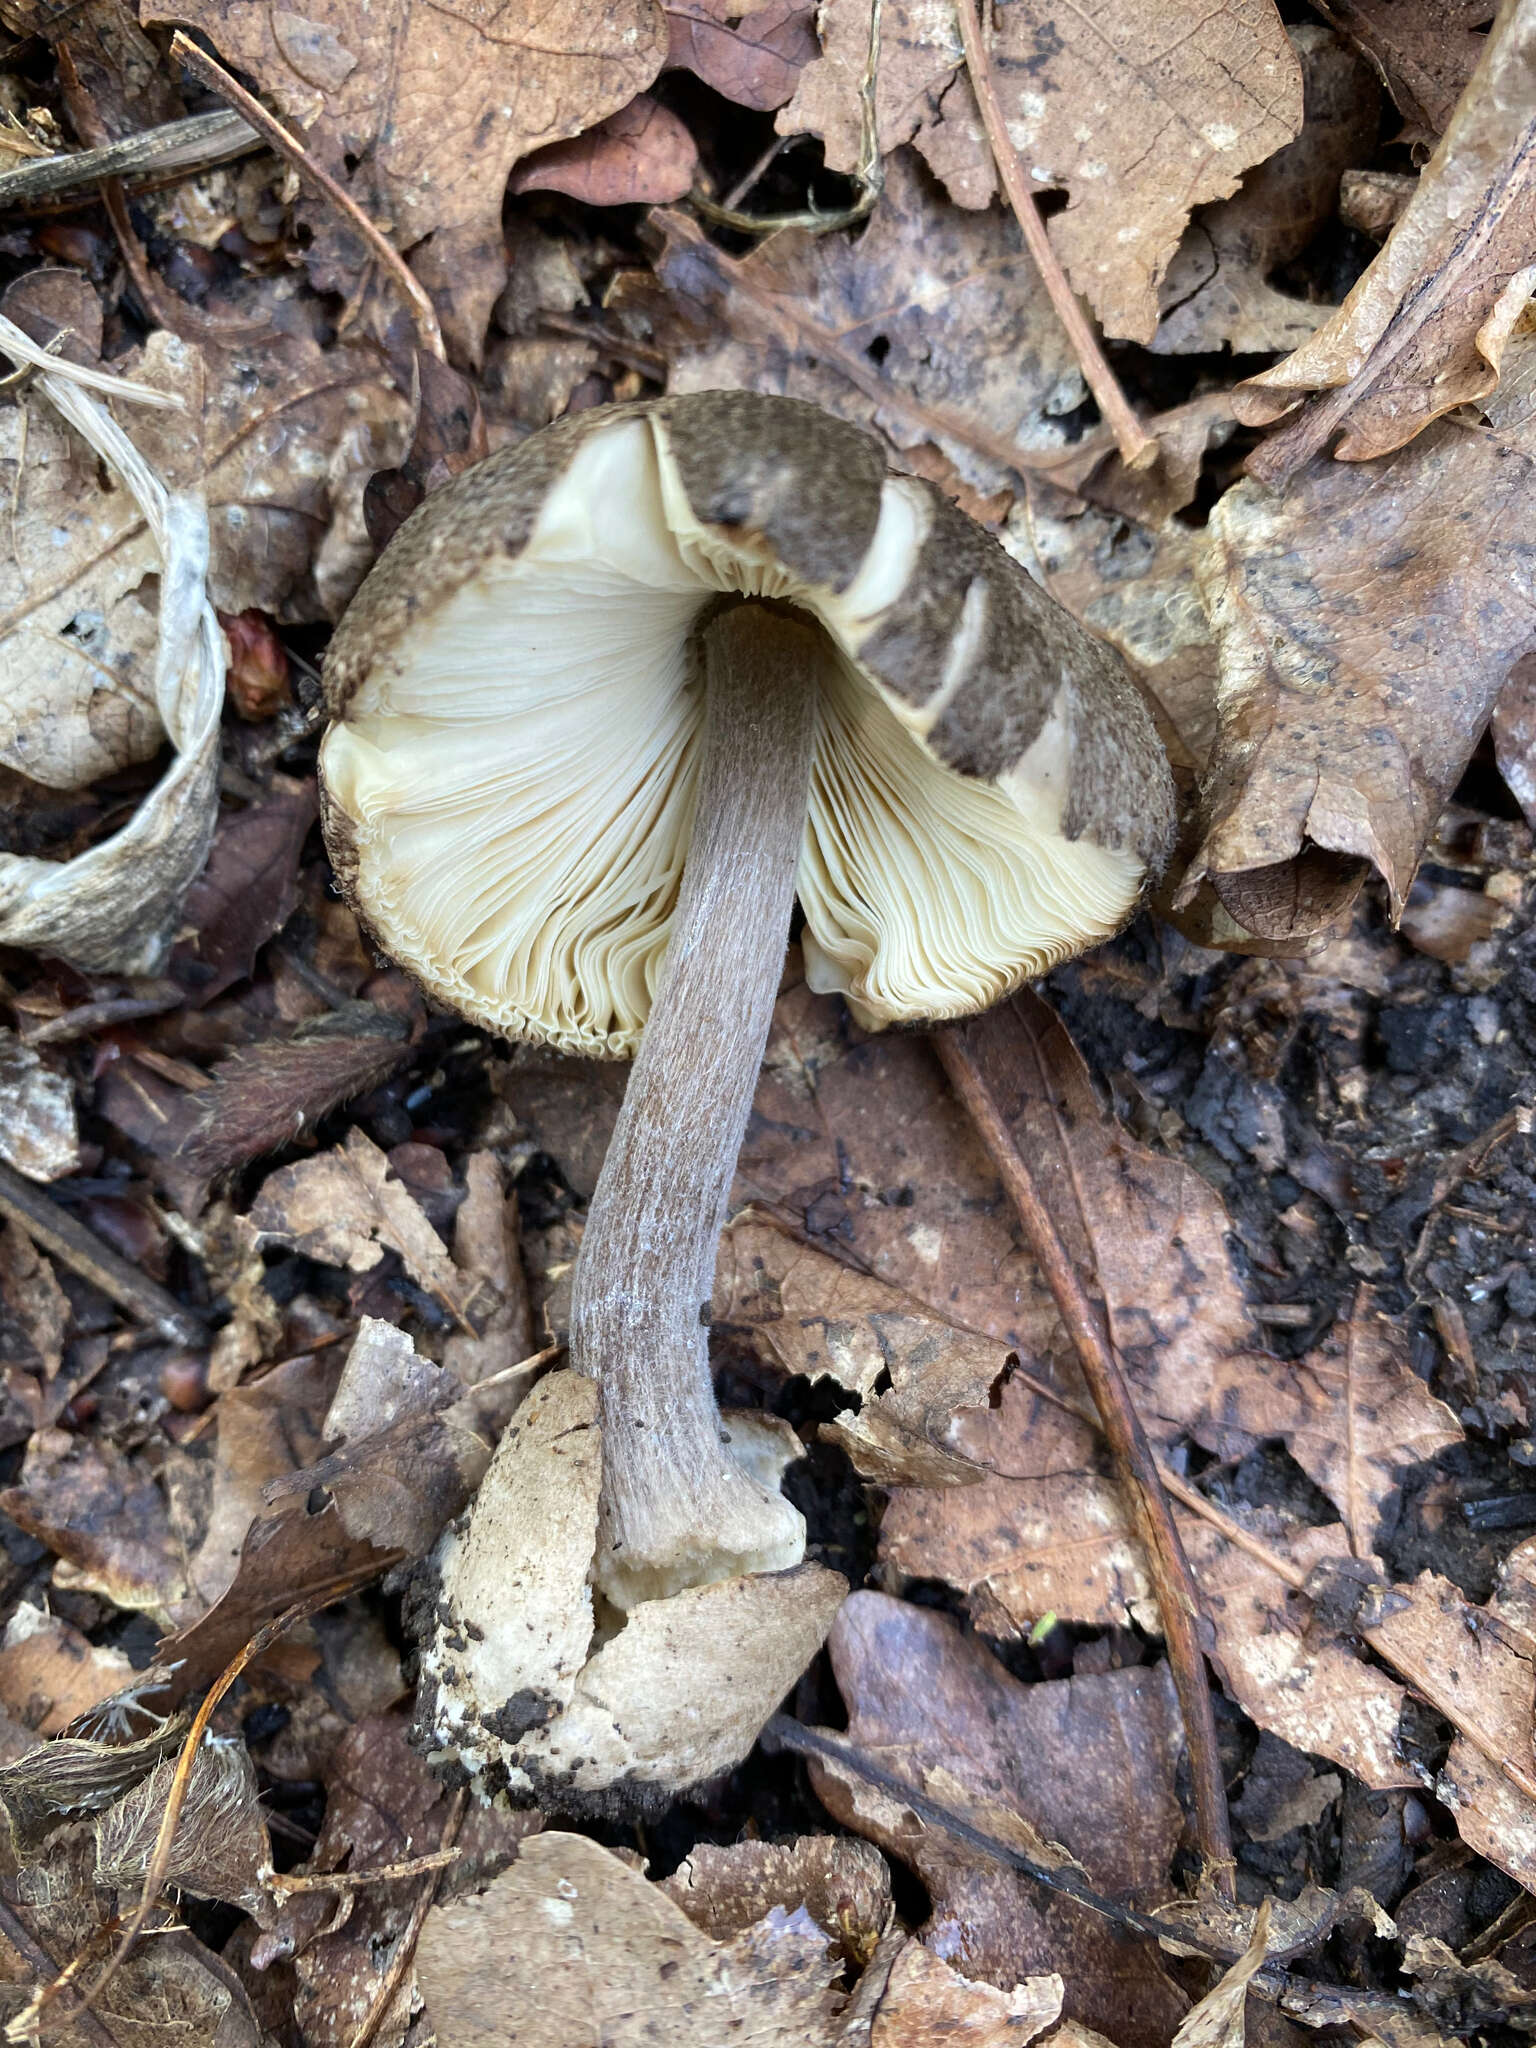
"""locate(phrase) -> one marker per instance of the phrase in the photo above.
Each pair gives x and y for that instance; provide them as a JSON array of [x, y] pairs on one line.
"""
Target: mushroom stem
[[677, 1509]]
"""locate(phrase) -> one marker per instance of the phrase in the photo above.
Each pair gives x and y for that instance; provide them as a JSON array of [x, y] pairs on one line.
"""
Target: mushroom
[[606, 705]]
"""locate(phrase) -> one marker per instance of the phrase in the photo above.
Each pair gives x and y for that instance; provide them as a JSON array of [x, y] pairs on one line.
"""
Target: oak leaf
[[1139, 112]]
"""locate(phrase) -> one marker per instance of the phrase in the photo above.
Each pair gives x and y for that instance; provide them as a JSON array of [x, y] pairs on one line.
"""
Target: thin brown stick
[[53, 1229], [405, 1947], [1137, 448], [1135, 1466], [217, 79], [160, 1859]]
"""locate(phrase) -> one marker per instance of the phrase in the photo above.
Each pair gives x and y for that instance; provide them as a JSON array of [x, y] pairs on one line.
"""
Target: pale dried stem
[[1137, 448], [677, 1509], [1136, 1469]]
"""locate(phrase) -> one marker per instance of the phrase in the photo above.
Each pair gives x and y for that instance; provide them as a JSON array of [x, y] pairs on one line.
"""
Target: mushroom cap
[[509, 783]]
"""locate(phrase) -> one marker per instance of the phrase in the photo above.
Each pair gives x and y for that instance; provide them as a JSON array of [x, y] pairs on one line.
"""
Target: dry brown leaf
[[345, 1208], [73, 1774], [843, 1884], [753, 57], [1088, 1763], [103, 1516], [923, 2003], [1365, 620], [270, 437], [1216, 291], [382, 1807], [1217, 2021], [50, 1674], [642, 155], [1140, 113], [603, 1953], [1426, 50], [883, 331], [422, 113], [1425, 328], [487, 1252], [1353, 1414], [809, 1313]]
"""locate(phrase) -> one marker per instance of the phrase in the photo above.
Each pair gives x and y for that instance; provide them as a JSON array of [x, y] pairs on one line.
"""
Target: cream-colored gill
[[927, 894], [521, 777]]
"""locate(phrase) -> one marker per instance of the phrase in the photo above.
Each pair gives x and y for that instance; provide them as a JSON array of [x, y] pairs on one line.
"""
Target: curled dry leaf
[[642, 155], [921, 2002], [50, 1675], [103, 1516], [1216, 291], [39, 1134], [73, 1775], [800, 315], [1140, 114], [1217, 2021], [1426, 327], [813, 1314], [1365, 621], [421, 114], [1088, 1763], [602, 1952]]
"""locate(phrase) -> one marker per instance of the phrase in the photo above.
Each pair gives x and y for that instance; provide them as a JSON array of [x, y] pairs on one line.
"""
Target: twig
[[868, 174], [191, 145], [1137, 448], [405, 1947], [165, 1840], [217, 79], [821, 1742], [1136, 1468], [56, 1231], [43, 1966], [286, 1885]]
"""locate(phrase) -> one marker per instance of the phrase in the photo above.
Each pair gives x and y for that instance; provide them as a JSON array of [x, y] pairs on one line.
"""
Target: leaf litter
[[285, 1252]]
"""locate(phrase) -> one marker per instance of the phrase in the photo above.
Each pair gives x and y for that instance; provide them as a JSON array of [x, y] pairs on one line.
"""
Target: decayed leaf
[[346, 1208], [422, 113], [801, 315], [104, 1517], [34, 1311], [1426, 50], [170, 1993], [844, 1885], [1478, 1665], [923, 2003], [1425, 328], [1088, 1763], [1365, 622], [73, 1775], [39, 1135], [753, 57], [1139, 114], [812, 1314], [1353, 1414], [602, 1952], [642, 155], [1216, 291], [1217, 2021]]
